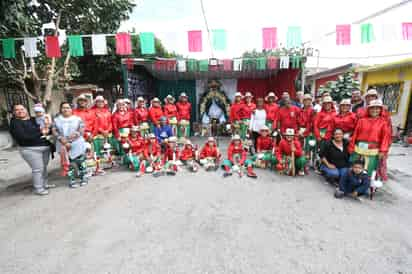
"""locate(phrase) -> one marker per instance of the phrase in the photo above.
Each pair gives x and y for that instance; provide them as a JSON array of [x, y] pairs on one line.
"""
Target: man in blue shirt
[[355, 182], [163, 131]]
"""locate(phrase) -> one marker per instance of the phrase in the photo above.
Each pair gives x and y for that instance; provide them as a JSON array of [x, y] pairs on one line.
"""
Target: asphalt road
[[202, 223]]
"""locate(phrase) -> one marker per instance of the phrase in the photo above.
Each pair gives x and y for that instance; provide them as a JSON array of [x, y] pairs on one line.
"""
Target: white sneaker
[[42, 192], [138, 174]]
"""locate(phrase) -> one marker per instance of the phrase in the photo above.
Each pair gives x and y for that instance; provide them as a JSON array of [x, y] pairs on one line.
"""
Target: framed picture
[[391, 94]]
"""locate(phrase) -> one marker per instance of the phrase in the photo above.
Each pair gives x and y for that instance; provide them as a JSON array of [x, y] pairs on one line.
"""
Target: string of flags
[[237, 64], [123, 41]]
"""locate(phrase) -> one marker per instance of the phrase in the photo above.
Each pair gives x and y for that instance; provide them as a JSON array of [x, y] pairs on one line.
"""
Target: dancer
[[237, 159], [210, 155], [289, 155], [184, 110]]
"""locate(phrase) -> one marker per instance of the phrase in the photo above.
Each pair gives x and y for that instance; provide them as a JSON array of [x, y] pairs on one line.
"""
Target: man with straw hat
[[288, 115], [170, 111], [155, 112], [305, 122], [272, 110], [237, 112], [102, 128], [82, 110], [356, 101], [265, 148], [184, 110], [237, 159], [371, 138], [289, 155], [141, 117], [122, 121]]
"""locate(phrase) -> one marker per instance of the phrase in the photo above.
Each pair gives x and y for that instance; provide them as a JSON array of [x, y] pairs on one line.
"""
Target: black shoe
[[227, 174]]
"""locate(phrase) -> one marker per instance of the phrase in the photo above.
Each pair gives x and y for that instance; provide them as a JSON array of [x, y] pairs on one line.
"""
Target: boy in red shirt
[[237, 159], [265, 149], [288, 145], [210, 155], [189, 156]]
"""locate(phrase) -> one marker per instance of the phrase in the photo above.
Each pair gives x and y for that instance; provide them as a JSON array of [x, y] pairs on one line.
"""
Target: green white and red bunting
[[269, 40]]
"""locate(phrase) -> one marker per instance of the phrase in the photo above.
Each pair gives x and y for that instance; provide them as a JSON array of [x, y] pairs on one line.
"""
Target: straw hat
[[134, 128], [271, 94], [371, 92], [327, 99], [99, 98], [307, 96], [235, 137], [188, 143], [183, 94], [172, 139], [375, 103], [170, 98], [81, 97], [151, 136], [238, 94], [211, 139], [155, 100], [264, 128], [248, 94], [140, 99], [289, 132], [345, 102]]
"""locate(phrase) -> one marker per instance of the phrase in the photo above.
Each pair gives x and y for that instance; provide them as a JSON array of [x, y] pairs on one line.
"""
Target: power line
[[207, 27], [363, 57]]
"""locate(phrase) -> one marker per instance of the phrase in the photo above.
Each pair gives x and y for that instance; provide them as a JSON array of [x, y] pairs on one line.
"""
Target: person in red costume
[[136, 151], [86, 115], [152, 155], [371, 138], [239, 116], [345, 119], [102, 127], [305, 122], [371, 95], [171, 156], [237, 158], [184, 110], [288, 115], [170, 111], [284, 151], [210, 155], [122, 119], [188, 156], [272, 110], [155, 112], [323, 122], [129, 106], [250, 105], [141, 117], [265, 145]]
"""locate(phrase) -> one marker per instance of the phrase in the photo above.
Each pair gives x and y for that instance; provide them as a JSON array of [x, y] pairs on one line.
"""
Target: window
[[390, 95]]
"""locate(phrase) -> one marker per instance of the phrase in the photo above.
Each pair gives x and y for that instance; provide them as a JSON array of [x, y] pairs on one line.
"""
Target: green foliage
[[342, 88]]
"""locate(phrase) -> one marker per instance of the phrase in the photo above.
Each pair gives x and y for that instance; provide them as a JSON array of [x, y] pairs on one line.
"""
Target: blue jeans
[[333, 173]]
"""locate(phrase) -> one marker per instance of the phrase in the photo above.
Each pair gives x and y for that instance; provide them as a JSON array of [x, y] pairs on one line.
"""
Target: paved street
[[202, 223]]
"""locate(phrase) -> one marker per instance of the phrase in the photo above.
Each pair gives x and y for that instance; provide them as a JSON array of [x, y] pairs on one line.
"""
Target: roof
[[196, 75], [396, 64], [332, 71]]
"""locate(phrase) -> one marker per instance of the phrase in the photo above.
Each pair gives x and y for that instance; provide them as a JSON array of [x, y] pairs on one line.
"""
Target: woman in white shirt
[[257, 120]]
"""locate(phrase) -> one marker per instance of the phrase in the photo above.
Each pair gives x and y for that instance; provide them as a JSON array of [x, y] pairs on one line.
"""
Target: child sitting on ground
[[188, 157], [289, 146], [237, 159], [264, 156], [355, 182], [210, 155], [171, 156]]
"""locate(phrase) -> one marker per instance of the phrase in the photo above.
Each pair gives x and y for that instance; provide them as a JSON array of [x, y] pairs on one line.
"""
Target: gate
[[15, 96]]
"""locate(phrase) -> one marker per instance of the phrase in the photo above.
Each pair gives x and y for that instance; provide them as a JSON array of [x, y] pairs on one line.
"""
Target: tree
[[22, 18], [342, 88]]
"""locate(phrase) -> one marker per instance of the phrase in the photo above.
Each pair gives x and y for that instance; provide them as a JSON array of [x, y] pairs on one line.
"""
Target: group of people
[[348, 142], [331, 136]]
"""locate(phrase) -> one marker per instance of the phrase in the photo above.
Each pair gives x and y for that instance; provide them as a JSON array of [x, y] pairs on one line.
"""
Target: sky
[[243, 20]]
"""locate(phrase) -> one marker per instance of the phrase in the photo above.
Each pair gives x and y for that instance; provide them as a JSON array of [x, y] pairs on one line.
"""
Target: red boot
[[251, 173]]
